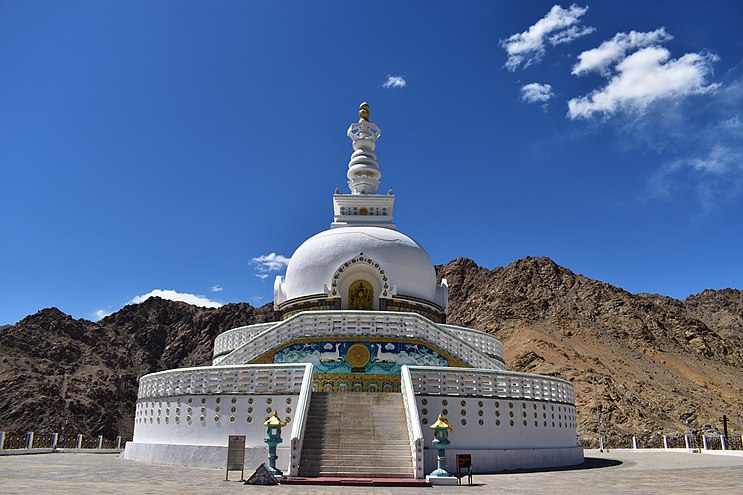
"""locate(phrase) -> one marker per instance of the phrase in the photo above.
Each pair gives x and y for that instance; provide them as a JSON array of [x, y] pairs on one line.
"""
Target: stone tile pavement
[[624, 472]]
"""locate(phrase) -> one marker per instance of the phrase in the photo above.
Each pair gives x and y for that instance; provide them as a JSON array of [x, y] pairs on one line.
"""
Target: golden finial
[[364, 111], [274, 420], [442, 422]]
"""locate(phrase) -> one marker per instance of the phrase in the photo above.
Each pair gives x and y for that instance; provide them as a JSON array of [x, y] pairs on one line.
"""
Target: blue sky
[[166, 145]]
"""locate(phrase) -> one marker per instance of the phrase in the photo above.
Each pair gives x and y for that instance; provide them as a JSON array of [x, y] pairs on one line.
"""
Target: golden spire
[[364, 112]]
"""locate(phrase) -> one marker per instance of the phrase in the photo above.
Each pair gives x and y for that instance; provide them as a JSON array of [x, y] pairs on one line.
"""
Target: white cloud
[[536, 92], [557, 27], [216, 288], [644, 77], [571, 34], [714, 176], [611, 51], [733, 122], [394, 82], [177, 296], [271, 262], [100, 314], [699, 153], [262, 276]]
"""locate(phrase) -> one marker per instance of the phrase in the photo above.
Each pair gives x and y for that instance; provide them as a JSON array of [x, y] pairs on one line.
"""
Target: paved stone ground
[[617, 472]]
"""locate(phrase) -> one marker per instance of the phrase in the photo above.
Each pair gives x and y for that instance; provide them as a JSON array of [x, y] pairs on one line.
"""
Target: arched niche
[[360, 269]]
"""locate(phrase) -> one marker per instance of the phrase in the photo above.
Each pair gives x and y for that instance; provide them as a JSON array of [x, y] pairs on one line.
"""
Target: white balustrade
[[482, 341], [300, 421], [415, 434], [209, 380], [368, 324], [489, 383], [232, 339]]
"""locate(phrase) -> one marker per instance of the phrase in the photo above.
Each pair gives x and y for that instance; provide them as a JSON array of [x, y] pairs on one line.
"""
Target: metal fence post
[[686, 441], [634, 442], [665, 441], [704, 441], [724, 442], [79, 441], [2, 440], [100, 442], [55, 440], [30, 440], [118, 442]]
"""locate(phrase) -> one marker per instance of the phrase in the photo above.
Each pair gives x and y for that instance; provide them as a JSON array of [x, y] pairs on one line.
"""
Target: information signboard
[[235, 456]]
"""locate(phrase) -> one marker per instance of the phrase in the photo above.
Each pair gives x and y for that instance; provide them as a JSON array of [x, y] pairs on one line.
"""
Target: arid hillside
[[653, 361]]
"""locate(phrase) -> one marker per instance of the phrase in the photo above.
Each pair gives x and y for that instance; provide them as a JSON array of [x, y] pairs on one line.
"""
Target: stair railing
[[300, 420], [414, 425]]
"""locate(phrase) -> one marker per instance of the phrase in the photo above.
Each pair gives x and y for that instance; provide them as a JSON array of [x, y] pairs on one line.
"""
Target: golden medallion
[[358, 355]]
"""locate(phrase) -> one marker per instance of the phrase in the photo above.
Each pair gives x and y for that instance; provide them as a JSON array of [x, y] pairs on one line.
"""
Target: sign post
[[235, 456], [464, 467]]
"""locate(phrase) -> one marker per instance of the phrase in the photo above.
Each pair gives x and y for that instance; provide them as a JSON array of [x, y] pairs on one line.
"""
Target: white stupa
[[360, 363]]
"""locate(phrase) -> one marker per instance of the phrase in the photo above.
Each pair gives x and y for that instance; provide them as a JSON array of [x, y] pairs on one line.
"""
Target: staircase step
[[356, 435]]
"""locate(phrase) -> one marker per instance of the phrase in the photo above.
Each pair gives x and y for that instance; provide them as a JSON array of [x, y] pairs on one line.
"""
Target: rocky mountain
[[650, 361], [55, 368]]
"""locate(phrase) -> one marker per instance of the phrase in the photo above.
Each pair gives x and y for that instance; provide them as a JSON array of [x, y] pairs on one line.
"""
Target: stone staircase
[[356, 435]]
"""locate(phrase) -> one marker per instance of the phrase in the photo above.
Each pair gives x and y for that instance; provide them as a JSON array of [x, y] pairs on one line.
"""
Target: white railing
[[211, 380], [232, 339], [478, 339], [489, 383], [300, 420], [415, 433], [361, 324]]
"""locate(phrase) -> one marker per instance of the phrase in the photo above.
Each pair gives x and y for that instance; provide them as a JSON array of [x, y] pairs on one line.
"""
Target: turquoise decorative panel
[[381, 358]]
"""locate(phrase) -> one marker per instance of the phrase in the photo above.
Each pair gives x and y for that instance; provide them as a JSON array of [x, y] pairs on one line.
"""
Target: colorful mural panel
[[378, 358]]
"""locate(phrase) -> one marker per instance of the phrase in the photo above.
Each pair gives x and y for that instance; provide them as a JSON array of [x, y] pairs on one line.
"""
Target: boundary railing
[[39, 442], [672, 441]]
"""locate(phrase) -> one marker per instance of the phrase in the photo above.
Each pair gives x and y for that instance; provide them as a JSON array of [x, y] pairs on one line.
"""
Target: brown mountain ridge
[[651, 360]]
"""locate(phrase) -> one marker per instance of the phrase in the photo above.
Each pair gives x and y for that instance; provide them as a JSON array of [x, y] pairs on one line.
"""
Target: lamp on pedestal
[[441, 429], [273, 438]]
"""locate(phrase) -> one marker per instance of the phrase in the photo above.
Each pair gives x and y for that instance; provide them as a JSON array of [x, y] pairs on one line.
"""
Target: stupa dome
[[391, 261]]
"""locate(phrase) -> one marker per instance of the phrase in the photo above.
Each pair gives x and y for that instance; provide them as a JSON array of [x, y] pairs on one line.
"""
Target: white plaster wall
[[495, 460], [166, 420], [203, 456], [496, 415]]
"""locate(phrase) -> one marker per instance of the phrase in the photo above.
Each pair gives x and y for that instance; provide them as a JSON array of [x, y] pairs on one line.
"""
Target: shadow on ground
[[588, 463]]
